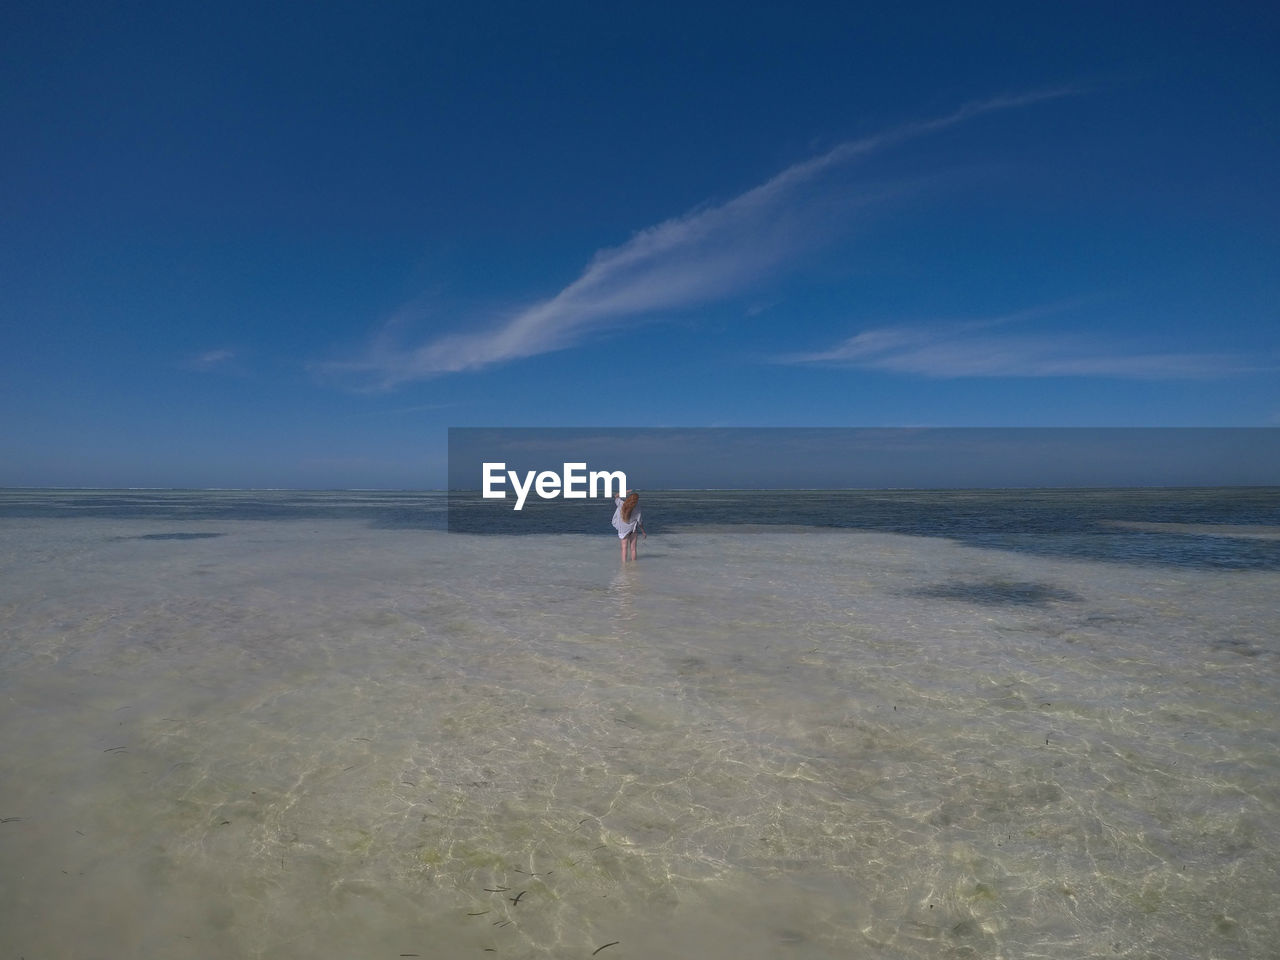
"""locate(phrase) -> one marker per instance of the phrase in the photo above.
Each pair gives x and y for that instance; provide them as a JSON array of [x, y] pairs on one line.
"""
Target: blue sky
[[291, 244]]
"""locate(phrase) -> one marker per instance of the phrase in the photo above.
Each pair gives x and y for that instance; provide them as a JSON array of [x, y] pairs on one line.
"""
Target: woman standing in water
[[626, 520]]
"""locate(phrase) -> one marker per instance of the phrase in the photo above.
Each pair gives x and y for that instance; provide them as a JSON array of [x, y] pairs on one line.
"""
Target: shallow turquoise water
[[323, 736]]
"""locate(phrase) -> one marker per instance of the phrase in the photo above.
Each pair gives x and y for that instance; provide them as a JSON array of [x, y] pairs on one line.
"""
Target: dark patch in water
[[1236, 645], [172, 536], [1014, 592], [1099, 619]]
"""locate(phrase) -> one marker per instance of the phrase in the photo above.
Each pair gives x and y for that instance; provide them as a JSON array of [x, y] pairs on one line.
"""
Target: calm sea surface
[[902, 724]]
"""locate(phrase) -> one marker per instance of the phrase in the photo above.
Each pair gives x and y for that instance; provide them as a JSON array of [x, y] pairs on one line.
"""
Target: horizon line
[[448, 490]]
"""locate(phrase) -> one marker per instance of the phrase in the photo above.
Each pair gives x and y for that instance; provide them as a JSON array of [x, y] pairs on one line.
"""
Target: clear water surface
[[893, 724]]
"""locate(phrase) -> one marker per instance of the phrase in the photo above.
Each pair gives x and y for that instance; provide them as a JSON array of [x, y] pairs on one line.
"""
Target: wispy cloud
[[705, 255], [984, 348], [213, 359]]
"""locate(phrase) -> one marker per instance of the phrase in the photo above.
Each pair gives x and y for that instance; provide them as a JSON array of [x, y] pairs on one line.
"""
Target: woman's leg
[[623, 542]]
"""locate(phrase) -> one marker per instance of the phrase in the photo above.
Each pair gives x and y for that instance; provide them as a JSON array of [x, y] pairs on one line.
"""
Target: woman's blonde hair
[[628, 505]]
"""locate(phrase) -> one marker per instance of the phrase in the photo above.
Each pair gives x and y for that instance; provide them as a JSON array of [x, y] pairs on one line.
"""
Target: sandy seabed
[[275, 739]]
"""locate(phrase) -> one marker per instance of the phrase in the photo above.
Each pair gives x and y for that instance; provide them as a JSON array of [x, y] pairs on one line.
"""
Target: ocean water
[[813, 725]]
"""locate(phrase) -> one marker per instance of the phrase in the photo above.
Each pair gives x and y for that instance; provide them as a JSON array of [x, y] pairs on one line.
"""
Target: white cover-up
[[625, 527]]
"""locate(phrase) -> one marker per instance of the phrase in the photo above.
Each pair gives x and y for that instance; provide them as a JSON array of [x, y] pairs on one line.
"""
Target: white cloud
[[977, 349], [704, 255]]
